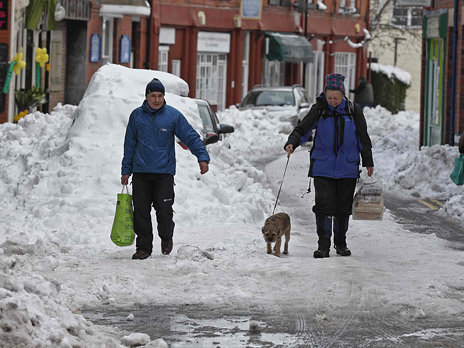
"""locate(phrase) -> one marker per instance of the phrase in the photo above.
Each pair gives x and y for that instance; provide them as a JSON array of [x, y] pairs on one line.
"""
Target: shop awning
[[35, 10], [291, 48]]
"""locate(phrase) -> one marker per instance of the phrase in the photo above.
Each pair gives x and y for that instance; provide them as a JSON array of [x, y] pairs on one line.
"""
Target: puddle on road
[[198, 327]]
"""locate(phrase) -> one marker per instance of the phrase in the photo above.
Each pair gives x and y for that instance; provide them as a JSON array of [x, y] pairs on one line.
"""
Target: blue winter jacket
[[340, 139], [149, 142]]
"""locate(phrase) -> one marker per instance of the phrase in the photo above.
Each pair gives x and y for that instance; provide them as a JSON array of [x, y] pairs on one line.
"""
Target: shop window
[[406, 16], [274, 73]]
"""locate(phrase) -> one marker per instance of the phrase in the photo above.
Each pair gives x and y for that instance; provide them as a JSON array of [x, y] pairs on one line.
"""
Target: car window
[[269, 98], [206, 118]]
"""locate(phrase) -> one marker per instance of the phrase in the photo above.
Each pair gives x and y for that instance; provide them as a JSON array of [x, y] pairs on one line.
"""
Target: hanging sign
[[251, 9], [95, 48], [124, 49], [3, 14]]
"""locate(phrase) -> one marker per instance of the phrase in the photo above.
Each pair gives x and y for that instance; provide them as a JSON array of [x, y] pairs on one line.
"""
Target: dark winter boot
[[340, 229], [166, 246], [324, 232]]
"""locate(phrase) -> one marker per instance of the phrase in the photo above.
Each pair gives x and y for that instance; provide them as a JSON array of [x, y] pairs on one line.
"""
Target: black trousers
[[334, 197], [157, 190]]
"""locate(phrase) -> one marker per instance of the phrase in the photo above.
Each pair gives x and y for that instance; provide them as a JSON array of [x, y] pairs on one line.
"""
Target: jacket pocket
[[319, 155]]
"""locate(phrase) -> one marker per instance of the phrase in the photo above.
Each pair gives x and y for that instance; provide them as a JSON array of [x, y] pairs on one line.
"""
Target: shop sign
[[416, 3], [124, 49], [95, 48], [167, 36], [213, 42], [3, 14]]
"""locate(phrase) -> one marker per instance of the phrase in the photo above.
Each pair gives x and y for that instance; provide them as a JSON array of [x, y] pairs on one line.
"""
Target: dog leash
[[280, 188]]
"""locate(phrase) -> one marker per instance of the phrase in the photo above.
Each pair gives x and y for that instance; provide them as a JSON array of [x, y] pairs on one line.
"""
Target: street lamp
[[397, 39]]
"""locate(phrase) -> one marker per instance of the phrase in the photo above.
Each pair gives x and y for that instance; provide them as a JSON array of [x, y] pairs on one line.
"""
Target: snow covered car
[[289, 103], [212, 130]]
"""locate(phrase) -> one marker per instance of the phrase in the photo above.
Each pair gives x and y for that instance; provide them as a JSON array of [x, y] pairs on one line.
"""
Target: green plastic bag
[[122, 233], [458, 173]]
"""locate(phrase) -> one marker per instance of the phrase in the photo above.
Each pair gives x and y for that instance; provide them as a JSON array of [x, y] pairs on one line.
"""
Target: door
[[434, 93]]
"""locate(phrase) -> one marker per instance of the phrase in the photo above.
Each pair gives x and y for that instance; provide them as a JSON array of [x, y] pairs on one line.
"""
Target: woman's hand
[[289, 148], [370, 171]]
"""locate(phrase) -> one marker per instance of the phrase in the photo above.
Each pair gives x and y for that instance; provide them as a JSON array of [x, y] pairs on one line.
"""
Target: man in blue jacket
[[341, 137], [149, 155]]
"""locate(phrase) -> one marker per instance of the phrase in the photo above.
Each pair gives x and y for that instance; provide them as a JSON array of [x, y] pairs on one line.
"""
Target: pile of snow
[[404, 167], [59, 176], [392, 71]]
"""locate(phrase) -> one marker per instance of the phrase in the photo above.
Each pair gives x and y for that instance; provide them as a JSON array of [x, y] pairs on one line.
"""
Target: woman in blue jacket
[[341, 136], [149, 155]]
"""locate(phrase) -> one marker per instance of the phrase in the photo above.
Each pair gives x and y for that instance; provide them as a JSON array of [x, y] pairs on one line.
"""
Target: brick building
[[222, 48], [442, 83]]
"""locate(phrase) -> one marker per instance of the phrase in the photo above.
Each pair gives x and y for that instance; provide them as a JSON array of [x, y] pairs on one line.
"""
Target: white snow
[[59, 176], [392, 71]]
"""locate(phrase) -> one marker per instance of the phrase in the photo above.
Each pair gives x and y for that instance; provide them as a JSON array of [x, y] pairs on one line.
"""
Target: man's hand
[[125, 179], [203, 167], [289, 148], [370, 171]]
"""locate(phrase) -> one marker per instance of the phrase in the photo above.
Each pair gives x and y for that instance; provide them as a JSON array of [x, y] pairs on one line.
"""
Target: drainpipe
[[453, 76]]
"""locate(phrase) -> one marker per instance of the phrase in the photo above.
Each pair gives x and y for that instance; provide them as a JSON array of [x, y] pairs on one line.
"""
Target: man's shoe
[[140, 255], [343, 251], [321, 253], [166, 246]]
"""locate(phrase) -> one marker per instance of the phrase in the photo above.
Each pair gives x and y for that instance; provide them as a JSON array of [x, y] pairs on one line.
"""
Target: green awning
[[35, 10], [291, 48]]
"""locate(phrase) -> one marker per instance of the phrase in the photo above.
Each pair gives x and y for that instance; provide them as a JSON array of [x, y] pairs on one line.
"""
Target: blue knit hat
[[335, 82], [154, 85]]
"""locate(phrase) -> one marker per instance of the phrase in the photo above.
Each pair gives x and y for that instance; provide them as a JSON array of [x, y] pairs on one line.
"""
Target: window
[[406, 16], [245, 63], [107, 44], [345, 63], [163, 55], [176, 67], [211, 78]]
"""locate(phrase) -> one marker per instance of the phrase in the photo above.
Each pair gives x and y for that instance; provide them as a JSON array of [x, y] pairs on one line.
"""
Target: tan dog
[[274, 228]]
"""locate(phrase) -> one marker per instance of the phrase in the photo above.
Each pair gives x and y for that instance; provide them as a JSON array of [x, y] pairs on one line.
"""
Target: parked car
[[289, 103], [212, 131]]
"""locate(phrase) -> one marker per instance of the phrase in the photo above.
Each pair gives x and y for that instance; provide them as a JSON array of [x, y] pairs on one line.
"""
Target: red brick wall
[[122, 26], [94, 26]]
